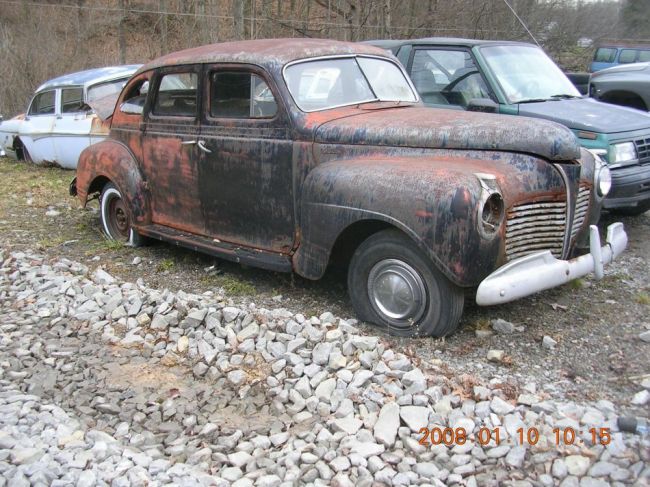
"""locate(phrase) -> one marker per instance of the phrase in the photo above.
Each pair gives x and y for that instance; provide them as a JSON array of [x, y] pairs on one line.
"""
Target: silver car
[[65, 116], [627, 85]]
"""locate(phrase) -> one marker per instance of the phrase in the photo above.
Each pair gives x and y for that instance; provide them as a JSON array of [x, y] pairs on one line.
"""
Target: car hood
[[422, 127], [588, 114]]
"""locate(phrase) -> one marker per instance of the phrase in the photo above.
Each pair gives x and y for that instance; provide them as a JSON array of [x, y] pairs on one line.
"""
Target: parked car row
[[291, 154]]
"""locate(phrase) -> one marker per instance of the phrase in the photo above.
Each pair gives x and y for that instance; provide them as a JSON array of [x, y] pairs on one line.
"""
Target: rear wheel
[[394, 285], [115, 217]]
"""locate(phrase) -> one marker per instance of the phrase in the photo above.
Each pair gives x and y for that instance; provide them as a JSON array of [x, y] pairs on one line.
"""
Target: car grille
[[532, 227], [582, 206], [643, 149]]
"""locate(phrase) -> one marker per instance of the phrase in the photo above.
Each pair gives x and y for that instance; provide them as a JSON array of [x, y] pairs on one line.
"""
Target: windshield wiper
[[550, 98], [372, 105], [532, 100], [564, 96]]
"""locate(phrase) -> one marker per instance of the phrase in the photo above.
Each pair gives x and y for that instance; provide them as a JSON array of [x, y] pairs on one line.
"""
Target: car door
[[71, 127], [446, 77], [36, 132], [169, 150], [246, 172]]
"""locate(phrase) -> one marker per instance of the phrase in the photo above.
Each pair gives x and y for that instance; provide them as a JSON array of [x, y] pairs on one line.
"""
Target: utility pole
[[238, 18], [121, 36]]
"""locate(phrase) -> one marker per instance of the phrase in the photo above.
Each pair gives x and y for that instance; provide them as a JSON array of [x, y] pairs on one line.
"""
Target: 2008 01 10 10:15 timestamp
[[458, 436]]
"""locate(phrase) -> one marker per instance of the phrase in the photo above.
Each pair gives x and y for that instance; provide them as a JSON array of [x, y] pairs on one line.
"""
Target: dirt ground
[[596, 323]]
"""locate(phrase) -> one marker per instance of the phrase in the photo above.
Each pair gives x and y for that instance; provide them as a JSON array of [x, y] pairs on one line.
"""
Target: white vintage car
[[65, 116]]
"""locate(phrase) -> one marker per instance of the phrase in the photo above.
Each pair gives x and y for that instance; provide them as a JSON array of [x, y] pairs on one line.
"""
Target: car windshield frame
[[565, 89], [355, 57]]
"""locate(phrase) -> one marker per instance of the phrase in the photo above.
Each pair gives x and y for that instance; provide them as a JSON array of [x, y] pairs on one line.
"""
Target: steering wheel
[[455, 82]]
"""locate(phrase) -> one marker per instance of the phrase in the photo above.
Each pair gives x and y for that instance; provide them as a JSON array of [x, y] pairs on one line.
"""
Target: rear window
[[605, 55], [176, 95], [627, 56]]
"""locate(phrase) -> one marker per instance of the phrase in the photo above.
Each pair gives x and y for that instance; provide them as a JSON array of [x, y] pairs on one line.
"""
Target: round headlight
[[492, 213], [603, 181]]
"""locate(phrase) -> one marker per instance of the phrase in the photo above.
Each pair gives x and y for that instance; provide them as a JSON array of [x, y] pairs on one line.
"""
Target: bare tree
[[238, 18], [40, 40]]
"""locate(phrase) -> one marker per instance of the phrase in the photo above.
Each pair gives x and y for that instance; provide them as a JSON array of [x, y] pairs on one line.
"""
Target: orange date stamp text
[[485, 436]]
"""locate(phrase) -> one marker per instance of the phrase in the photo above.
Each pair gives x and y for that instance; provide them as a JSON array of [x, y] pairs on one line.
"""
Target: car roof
[[445, 41], [90, 76], [265, 52], [624, 43]]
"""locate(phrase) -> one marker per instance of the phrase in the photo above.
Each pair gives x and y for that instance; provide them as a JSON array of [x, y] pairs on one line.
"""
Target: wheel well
[[350, 238], [18, 148], [625, 98], [98, 184]]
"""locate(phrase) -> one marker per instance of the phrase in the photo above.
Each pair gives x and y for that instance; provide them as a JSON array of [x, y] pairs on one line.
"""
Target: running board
[[235, 253]]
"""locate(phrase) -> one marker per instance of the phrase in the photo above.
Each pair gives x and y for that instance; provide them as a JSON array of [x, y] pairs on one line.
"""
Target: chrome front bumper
[[539, 271]]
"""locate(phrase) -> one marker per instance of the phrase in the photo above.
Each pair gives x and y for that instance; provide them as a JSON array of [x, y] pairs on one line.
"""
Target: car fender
[[9, 132], [432, 200], [111, 160]]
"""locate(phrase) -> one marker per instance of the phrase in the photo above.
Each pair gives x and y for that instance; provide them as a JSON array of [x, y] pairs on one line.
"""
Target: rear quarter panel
[[113, 161]]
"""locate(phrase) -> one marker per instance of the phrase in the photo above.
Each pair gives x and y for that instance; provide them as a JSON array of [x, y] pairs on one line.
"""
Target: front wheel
[[115, 217], [394, 285]]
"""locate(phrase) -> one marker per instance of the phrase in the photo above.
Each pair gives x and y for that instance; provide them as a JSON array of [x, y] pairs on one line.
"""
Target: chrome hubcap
[[397, 292]]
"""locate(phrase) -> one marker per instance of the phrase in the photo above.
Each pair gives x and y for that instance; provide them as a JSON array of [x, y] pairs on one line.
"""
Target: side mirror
[[482, 105]]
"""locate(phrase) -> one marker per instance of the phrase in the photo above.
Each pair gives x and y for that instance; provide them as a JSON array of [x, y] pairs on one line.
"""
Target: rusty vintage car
[[292, 154]]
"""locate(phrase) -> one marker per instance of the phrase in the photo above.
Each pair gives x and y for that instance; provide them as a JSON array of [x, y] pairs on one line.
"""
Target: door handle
[[201, 144], [188, 142]]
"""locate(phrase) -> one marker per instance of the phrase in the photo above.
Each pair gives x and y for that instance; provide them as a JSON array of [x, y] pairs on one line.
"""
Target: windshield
[[329, 83], [525, 73]]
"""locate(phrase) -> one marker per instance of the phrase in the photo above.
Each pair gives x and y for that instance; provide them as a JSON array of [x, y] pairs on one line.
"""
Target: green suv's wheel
[[640, 209], [393, 284], [115, 217]]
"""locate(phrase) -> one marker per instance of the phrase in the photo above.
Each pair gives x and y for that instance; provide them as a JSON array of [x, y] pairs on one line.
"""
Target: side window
[[176, 95], [605, 55], [43, 103], [644, 56], [134, 99], [447, 77], [240, 95], [72, 100], [627, 56]]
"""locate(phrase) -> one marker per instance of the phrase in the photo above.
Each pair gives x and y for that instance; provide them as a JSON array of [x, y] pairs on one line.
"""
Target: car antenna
[[521, 22]]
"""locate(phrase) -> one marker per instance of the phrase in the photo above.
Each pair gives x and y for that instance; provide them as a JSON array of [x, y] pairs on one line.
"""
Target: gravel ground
[[108, 376], [106, 382]]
